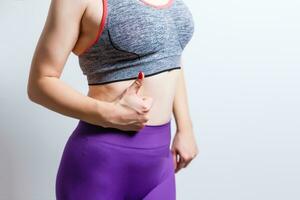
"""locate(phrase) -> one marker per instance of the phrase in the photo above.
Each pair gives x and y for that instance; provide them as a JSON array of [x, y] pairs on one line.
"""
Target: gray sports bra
[[134, 36]]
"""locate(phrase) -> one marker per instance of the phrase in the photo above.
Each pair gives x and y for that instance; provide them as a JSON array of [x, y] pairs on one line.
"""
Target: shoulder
[[68, 6]]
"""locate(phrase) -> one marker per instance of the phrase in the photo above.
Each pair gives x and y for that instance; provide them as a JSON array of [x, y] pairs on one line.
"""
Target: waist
[[150, 136], [161, 85]]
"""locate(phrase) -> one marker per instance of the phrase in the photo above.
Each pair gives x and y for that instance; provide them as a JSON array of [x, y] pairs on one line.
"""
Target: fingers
[[183, 161], [147, 103], [174, 155], [132, 127], [143, 118], [136, 85], [141, 104], [135, 106], [181, 164], [145, 107]]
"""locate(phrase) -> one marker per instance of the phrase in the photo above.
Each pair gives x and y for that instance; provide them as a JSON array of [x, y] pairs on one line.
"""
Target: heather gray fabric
[[137, 37]]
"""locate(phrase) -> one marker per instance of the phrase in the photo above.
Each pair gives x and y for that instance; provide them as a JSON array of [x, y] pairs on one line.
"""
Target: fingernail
[[140, 75]]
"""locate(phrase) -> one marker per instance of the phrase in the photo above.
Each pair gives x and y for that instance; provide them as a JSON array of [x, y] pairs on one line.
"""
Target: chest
[[136, 26]]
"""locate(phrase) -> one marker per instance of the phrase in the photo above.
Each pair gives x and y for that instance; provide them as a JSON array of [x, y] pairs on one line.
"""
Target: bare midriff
[[161, 87]]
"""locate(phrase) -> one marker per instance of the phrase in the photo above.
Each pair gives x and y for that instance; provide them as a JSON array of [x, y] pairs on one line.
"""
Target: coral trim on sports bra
[[101, 27], [168, 4]]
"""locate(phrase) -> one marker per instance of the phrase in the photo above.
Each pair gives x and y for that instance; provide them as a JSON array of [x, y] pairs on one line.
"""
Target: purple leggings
[[110, 164]]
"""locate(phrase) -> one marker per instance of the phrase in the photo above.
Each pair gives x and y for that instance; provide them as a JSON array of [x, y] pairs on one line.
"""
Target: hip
[[101, 162], [149, 137]]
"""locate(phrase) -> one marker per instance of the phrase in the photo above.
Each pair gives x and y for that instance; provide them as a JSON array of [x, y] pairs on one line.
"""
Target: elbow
[[30, 92]]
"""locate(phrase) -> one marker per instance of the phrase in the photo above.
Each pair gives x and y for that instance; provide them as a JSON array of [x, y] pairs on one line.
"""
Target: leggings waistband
[[150, 136]]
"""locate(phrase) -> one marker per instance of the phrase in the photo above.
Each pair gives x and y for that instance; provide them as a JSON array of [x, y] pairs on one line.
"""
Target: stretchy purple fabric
[[110, 164]]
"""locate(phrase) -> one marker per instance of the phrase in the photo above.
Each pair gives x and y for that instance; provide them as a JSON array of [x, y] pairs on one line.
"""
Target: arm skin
[[184, 144], [56, 42]]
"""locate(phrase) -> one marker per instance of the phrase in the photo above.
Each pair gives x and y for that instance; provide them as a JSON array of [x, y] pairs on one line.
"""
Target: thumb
[[136, 85], [174, 155]]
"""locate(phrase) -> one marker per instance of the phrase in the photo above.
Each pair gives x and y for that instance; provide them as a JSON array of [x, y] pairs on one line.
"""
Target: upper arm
[[58, 37]]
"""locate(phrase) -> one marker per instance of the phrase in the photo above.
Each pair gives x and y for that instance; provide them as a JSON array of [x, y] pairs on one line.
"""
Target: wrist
[[184, 126], [99, 113], [105, 111]]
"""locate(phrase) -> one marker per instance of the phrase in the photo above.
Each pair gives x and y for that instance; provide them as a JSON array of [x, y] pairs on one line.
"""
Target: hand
[[183, 146], [130, 111]]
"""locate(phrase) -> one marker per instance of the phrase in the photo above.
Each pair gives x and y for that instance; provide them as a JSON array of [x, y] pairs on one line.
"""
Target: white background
[[242, 74]]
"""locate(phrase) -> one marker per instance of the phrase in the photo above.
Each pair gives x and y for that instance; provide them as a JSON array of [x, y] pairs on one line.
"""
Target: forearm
[[180, 105], [58, 96]]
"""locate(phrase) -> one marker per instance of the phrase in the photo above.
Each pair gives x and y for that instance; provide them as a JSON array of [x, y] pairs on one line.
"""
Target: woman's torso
[[161, 86]]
